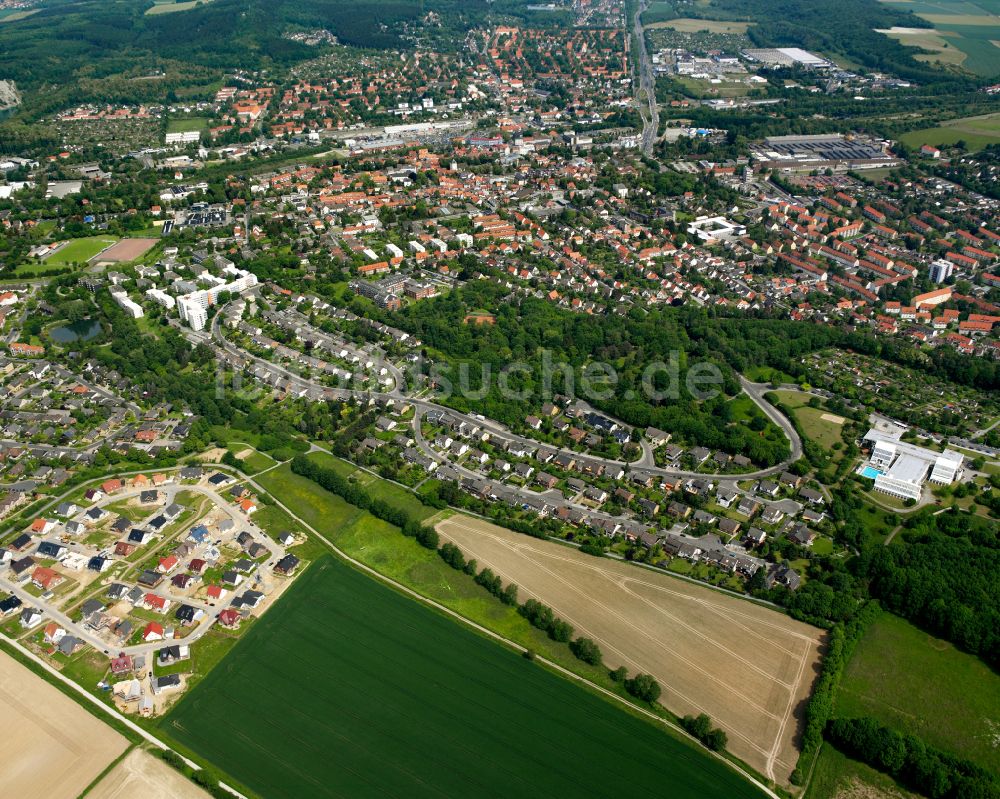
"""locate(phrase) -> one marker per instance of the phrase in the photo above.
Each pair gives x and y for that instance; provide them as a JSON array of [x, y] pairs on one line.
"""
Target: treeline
[[848, 27], [539, 615], [946, 579], [909, 760], [357, 496], [701, 728], [841, 644]]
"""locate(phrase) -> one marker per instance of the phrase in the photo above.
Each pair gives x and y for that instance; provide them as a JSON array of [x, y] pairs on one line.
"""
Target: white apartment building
[[193, 307], [131, 308]]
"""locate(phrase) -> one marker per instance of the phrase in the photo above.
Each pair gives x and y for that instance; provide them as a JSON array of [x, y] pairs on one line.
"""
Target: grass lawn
[[976, 132], [377, 487], [255, 460], [79, 250], [767, 374], [916, 683], [186, 124], [814, 426], [396, 700], [836, 776]]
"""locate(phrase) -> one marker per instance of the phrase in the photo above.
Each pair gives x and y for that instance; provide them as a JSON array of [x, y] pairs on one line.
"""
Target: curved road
[[755, 391]]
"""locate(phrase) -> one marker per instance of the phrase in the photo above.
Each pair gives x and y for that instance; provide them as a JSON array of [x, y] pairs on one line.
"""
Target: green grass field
[[376, 486], [976, 132], [836, 776], [187, 123], [79, 250], [349, 689], [823, 431], [255, 461], [171, 7], [916, 683]]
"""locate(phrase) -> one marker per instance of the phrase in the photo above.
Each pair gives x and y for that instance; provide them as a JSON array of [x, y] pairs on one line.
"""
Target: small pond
[[84, 330]]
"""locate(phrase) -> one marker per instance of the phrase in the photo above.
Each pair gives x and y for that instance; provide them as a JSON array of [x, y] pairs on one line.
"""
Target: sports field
[[750, 668], [916, 683], [79, 250], [349, 689], [127, 250], [53, 748], [976, 132], [186, 124]]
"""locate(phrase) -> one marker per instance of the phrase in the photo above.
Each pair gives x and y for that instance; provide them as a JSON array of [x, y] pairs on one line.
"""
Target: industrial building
[[787, 57], [823, 151], [901, 469]]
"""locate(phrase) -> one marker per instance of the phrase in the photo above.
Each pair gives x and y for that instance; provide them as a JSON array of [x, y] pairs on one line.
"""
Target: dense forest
[[545, 338], [85, 50], [846, 27]]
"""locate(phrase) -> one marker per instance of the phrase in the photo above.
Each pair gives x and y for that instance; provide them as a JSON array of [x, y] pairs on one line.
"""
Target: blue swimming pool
[[870, 472]]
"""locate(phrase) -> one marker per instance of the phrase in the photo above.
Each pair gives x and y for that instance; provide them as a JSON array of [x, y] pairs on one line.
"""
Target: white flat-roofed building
[[193, 307], [161, 297], [132, 309], [904, 468]]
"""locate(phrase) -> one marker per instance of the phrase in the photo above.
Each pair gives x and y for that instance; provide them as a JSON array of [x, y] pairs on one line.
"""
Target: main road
[[645, 94]]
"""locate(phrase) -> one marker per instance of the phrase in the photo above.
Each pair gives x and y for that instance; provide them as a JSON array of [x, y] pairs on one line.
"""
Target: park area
[[916, 683], [350, 689], [53, 748], [749, 668]]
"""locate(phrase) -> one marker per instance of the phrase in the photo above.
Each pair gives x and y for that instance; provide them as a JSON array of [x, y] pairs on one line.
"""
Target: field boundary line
[[514, 645]]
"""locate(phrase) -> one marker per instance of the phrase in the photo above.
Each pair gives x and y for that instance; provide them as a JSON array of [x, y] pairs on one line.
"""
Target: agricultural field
[[699, 25], [54, 748], [169, 7], [916, 683], [79, 250], [748, 667], [141, 774], [976, 132], [404, 702], [937, 42], [971, 28]]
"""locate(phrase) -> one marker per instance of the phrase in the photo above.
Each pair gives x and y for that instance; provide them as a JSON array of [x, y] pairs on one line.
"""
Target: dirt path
[[750, 668]]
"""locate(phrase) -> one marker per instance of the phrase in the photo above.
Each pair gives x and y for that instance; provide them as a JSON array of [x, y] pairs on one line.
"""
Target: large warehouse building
[[823, 151]]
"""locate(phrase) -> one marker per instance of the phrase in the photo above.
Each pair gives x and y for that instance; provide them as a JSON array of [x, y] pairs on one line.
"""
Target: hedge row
[[909, 760], [844, 637], [357, 496]]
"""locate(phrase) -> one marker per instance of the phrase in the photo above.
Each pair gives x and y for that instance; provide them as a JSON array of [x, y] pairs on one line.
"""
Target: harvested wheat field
[[54, 748], [750, 668], [141, 774]]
